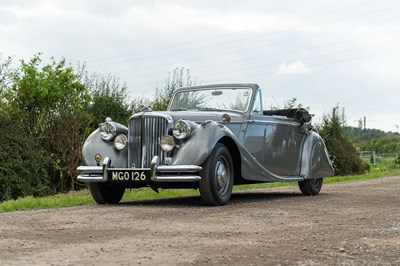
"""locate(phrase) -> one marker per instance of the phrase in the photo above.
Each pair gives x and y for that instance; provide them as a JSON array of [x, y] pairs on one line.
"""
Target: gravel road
[[352, 223]]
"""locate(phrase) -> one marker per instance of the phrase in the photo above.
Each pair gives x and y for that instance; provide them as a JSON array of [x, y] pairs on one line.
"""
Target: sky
[[324, 53]]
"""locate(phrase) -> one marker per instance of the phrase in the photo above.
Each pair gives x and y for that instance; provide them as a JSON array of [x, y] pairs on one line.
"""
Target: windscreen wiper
[[210, 109]]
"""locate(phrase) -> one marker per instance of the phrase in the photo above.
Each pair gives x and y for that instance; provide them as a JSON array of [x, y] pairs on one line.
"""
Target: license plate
[[125, 175]]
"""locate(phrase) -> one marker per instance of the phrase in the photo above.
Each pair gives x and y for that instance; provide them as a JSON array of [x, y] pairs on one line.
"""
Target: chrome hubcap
[[222, 176]]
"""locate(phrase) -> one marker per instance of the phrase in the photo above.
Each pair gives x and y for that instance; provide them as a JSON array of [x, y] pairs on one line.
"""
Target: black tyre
[[217, 177], [103, 194], [311, 187]]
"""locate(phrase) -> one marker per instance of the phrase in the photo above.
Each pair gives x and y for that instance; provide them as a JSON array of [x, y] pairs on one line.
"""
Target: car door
[[276, 143]]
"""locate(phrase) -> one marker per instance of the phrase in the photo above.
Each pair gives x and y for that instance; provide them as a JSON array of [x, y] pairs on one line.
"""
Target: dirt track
[[354, 223]]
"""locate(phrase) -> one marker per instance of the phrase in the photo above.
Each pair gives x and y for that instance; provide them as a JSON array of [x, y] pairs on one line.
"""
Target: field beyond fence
[[378, 158]]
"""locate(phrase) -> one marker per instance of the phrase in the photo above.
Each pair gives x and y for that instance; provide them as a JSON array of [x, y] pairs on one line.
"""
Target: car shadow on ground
[[237, 198]]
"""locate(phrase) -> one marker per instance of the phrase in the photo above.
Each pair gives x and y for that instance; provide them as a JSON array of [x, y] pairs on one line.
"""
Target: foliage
[[189, 100], [289, 104], [347, 160], [52, 98], [238, 104], [6, 76], [361, 135], [54, 108], [178, 78], [64, 148], [385, 144], [292, 103], [41, 92], [397, 159], [375, 140], [139, 104], [22, 161], [109, 99]]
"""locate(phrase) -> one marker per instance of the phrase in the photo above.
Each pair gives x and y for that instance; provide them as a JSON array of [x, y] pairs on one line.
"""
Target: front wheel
[[311, 187], [217, 177], [103, 194]]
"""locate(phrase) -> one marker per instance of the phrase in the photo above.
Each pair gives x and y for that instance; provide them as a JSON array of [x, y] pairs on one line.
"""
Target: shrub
[[347, 159], [22, 164], [397, 159]]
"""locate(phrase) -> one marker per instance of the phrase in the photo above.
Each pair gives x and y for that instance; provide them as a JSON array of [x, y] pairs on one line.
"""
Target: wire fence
[[378, 158]]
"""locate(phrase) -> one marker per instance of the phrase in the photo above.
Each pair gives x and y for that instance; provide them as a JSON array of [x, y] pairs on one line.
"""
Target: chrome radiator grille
[[145, 132]]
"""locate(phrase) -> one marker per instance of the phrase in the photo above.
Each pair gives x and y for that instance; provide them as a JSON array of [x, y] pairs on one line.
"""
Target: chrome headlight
[[167, 143], [181, 129], [108, 130], [120, 142]]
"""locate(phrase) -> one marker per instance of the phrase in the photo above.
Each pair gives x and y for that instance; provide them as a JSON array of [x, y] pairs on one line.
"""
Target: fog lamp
[[120, 142], [167, 143]]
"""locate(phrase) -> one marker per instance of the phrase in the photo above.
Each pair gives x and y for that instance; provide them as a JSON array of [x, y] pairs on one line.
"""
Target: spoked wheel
[[217, 177], [103, 194], [311, 187]]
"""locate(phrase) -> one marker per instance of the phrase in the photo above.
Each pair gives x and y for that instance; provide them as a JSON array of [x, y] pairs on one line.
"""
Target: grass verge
[[83, 197]]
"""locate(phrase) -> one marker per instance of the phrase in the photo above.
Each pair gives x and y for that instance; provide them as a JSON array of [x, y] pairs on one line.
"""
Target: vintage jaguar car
[[211, 138]]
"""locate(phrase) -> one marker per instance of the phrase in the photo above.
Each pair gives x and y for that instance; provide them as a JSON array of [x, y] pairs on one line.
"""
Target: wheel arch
[[235, 155], [315, 158], [201, 143]]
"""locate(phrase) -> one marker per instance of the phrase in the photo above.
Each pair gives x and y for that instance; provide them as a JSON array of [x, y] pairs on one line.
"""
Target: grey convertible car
[[211, 138]]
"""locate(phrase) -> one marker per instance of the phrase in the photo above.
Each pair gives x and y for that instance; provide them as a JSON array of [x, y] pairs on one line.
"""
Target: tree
[[6, 78], [347, 160], [22, 162], [289, 104], [52, 98], [179, 78], [108, 99], [42, 92]]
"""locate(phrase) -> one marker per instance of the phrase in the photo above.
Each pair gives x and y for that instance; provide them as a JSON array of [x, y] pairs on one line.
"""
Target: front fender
[[95, 145], [198, 147]]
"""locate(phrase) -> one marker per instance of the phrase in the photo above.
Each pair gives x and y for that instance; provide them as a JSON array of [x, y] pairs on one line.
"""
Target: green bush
[[397, 159], [347, 159], [22, 164]]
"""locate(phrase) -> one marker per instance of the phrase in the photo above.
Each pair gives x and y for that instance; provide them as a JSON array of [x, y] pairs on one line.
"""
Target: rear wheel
[[103, 194], [311, 187], [217, 177]]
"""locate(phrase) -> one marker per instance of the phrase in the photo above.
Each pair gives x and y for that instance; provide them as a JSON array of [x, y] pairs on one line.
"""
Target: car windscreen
[[216, 99]]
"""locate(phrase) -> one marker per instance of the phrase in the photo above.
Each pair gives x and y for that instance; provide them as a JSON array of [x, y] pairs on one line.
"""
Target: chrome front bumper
[[158, 173]]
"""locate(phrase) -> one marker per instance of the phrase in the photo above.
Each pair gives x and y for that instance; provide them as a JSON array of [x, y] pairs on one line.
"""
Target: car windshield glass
[[216, 99]]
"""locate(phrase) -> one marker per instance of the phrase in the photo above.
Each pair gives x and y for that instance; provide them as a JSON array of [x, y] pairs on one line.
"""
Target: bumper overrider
[[156, 173]]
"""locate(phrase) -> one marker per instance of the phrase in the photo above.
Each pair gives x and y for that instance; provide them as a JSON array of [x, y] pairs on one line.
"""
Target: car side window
[[257, 107]]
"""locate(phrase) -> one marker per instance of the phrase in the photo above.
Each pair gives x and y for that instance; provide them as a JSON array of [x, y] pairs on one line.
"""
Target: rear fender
[[315, 158]]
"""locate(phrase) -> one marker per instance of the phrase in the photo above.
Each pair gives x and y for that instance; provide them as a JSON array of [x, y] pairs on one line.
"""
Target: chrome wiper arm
[[210, 109], [179, 109]]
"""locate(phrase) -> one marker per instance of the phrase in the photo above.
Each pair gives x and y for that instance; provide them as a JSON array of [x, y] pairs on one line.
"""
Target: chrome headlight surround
[[181, 129], [167, 143], [108, 130], [120, 142]]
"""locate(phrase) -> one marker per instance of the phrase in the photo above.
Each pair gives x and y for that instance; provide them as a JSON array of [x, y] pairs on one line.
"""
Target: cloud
[[296, 67], [7, 17]]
